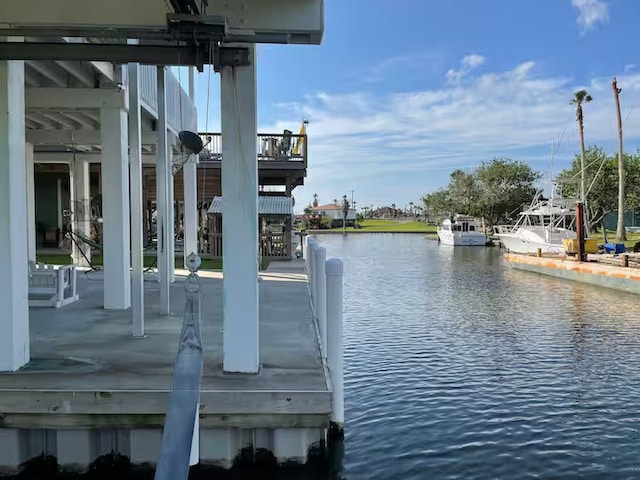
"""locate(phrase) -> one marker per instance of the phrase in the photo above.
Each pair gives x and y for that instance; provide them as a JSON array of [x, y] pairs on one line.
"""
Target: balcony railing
[[181, 111], [271, 147], [272, 245]]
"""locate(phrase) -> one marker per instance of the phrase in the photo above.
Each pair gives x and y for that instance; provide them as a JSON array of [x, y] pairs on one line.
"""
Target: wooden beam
[[78, 72], [55, 421], [128, 402], [80, 137], [76, 98]]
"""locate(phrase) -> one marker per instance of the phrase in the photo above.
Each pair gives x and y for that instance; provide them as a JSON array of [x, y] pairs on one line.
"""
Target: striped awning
[[267, 205]]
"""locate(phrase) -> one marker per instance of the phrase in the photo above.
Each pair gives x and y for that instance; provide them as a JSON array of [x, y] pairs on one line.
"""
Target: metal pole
[[580, 230], [178, 435]]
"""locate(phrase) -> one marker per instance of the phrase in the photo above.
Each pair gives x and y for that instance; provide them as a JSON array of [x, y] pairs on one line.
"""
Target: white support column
[[31, 203], [137, 211], [190, 184], [240, 217], [14, 257], [163, 172], [115, 208], [81, 209]]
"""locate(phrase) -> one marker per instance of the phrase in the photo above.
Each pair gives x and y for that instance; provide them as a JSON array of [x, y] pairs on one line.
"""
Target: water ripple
[[458, 367]]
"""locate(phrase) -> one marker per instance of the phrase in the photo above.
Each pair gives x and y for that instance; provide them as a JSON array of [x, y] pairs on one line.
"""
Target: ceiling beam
[[78, 72], [92, 157], [76, 97], [56, 77], [59, 119], [78, 137], [144, 54]]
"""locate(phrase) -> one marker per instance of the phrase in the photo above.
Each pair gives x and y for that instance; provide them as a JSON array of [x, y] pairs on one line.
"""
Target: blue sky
[[401, 93]]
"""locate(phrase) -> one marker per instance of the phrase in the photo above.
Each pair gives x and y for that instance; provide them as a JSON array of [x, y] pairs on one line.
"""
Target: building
[[90, 110], [334, 212]]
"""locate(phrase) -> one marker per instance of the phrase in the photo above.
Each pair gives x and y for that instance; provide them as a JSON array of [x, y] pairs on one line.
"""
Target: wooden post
[[625, 260], [334, 272], [580, 231], [539, 252]]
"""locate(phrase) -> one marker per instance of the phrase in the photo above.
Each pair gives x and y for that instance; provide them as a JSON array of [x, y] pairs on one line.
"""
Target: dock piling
[[320, 302], [334, 274]]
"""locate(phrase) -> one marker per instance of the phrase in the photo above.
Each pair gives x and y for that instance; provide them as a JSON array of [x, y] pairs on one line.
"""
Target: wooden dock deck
[[87, 371]]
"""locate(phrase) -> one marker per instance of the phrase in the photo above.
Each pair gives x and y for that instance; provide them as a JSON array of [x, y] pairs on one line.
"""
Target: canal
[[459, 367]]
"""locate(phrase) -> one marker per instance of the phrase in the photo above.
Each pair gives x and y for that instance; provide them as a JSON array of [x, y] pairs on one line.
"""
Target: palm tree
[[393, 206], [335, 201], [580, 97], [315, 200], [411, 209], [620, 230]]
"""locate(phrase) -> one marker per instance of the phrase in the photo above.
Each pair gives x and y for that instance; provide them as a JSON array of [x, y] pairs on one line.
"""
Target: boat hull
[[517, 244], [463, 239]]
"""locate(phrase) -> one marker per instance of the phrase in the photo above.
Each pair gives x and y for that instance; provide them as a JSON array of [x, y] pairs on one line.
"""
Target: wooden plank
[[35, 401], [38, 421]]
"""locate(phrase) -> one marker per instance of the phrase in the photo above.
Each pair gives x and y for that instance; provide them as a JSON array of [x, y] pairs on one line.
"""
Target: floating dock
[[599, 270], [91, 388]]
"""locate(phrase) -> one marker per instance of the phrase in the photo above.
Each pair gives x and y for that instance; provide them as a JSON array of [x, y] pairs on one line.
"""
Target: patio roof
[[267, 205]]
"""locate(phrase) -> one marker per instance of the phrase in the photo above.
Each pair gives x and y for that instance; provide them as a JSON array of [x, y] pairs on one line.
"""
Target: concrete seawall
[[608, 276]]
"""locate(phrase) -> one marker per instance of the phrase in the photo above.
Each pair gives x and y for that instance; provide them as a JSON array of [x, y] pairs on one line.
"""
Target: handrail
[[271, 147]]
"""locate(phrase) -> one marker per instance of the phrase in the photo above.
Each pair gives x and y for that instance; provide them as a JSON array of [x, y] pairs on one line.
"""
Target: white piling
[[311, 268], [320, 258], [334, 272]]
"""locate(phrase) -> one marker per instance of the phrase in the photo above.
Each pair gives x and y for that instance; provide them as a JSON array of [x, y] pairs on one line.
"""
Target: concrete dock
[[609, 276], [92, 388]]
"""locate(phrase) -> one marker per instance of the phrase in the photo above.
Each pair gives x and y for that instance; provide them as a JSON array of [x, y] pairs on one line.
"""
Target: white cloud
[[591, 12], [358, 140], [469, 63]]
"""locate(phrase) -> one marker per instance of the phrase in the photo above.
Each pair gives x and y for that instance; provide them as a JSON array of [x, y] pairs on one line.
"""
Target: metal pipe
[[177, 437]]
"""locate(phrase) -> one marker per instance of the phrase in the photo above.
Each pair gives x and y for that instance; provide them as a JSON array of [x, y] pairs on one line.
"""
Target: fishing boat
[[544, 225], [462, 231]]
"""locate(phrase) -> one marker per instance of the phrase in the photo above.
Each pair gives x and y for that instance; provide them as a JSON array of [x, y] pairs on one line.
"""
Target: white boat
[[462, 231], [544, 225]]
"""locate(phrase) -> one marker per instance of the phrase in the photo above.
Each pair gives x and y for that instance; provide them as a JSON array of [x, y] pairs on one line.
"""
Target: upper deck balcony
[[280, 155]]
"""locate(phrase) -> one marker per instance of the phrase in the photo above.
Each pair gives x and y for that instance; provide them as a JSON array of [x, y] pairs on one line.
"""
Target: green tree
[[438, 204], [601, 172], [464, 193], [504, 185]]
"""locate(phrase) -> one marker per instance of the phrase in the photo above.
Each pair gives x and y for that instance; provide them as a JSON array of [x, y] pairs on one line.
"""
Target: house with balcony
[[92, 129]]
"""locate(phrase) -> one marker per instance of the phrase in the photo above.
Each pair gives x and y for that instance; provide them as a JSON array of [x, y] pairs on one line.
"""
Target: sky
[[399, 94]]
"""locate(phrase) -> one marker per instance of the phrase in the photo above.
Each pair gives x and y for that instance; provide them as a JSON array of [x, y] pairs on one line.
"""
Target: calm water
[[459, 367]]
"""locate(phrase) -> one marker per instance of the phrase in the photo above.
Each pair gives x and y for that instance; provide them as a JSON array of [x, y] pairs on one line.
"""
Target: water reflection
[[459, 367]]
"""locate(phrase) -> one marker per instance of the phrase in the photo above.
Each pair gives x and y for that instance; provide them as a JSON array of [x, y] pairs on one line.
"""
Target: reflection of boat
[[462, 231], [544, 225]]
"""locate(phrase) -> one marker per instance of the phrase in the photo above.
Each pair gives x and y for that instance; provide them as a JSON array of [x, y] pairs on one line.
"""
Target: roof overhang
[[175, 32], [267, 205]]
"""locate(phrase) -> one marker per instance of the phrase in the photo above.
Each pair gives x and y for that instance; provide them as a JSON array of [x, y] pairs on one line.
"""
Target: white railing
[[181, 111], [325, 279]]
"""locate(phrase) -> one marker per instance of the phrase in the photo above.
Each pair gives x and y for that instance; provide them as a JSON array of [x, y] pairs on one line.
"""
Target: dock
[[601, 270], [92, 388]]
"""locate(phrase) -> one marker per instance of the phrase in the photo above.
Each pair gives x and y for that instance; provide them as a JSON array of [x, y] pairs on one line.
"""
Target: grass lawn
[[96, 260], [386, 226]]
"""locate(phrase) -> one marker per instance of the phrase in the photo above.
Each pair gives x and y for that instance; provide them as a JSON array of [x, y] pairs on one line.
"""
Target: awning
[[267, 205]]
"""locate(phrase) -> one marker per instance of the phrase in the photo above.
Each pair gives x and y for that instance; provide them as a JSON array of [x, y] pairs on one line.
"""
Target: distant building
[[334, 212]]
